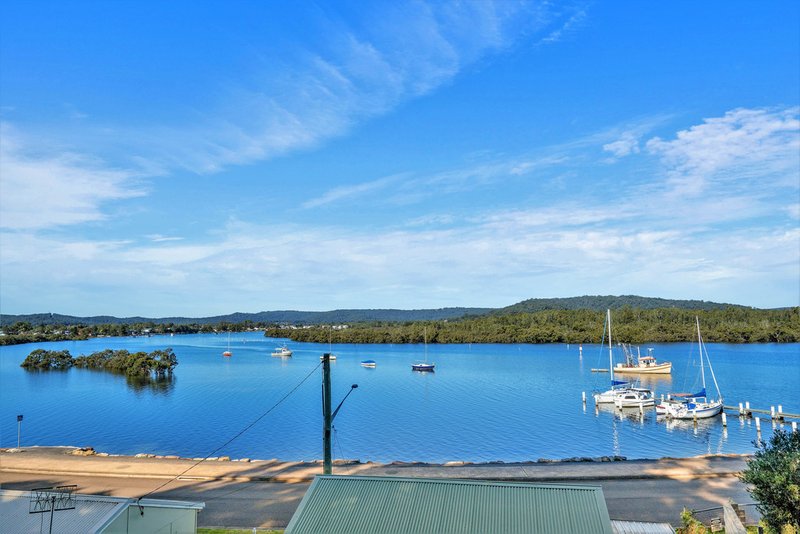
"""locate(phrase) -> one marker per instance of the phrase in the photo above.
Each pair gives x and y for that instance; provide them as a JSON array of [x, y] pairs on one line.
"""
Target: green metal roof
[[386, 505]]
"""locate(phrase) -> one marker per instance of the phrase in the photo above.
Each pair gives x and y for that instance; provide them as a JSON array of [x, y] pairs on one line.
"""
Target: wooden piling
[[724, 419]]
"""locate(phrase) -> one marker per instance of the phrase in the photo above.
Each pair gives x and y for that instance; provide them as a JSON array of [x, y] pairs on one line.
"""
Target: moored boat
[[424, 366], [699, 406], [368, 363], [642, 364], [282, 352]]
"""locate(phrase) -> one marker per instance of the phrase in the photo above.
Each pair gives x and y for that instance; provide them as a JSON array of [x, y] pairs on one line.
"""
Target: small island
[[158, 364]]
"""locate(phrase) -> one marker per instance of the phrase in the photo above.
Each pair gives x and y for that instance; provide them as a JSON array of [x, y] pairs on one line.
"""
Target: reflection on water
[[163, 385]]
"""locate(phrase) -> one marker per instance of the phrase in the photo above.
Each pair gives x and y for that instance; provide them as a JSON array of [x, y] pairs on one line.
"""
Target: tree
[[774, 473]]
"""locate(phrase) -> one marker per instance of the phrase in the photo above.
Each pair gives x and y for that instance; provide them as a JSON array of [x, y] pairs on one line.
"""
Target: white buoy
[[724, 419]]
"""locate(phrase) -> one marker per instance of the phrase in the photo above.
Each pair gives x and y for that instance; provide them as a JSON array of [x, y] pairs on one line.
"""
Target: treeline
[[157, 364], [25, 332], [729, 325]]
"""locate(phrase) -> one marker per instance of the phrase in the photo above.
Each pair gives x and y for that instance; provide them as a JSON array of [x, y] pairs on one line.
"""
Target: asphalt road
[[240, 504]]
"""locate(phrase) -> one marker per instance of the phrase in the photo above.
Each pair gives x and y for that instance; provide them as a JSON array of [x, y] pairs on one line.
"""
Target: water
[[483, 403]]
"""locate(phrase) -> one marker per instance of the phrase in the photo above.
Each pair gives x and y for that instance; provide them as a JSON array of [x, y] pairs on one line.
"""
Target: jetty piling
[[724, 420], [741, 410], [758, 425], [747, 411], [794, 426], [583, 395]]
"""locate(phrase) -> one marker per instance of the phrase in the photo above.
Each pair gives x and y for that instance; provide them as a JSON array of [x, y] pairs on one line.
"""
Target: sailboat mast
[[425, 338], [610, 350], [700, 346]]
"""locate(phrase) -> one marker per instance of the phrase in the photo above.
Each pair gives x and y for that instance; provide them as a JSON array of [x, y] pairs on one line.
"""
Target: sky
[[202, 158]]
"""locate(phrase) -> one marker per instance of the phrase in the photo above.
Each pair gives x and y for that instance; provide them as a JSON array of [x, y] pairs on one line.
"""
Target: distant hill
[[271, 317], [605, 302], [595, 303]]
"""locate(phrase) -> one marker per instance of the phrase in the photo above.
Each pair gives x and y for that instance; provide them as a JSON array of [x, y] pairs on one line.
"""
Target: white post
[[662, 397], [641, 408], [780, 411], [747, 407], [724, 419], [583, 394], [758, 425], [741, 410], [772, 412], [794, 426]]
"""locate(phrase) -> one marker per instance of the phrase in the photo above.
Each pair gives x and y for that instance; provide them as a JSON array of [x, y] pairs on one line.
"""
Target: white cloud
[[47, 188], [353, 191], [742, 146]]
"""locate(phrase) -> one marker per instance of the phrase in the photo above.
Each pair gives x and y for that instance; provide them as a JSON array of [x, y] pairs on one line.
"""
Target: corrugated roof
[[641, 527], [352, 505], [92, 513]]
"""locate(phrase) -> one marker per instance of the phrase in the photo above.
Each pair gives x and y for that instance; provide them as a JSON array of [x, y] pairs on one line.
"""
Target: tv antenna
[[52, 499]]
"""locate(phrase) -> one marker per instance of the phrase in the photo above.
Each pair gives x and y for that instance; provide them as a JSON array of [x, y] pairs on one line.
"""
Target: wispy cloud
[[43, 188], [740, 147], [353, 191]]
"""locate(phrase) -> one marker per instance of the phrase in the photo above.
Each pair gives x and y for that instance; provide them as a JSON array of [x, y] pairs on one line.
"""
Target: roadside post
[[19, 428]]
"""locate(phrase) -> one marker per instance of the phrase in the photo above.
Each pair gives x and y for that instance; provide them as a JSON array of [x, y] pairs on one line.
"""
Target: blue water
[[483, 403]]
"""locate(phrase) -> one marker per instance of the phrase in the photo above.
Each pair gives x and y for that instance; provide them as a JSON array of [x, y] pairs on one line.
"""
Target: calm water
[[483, 403]]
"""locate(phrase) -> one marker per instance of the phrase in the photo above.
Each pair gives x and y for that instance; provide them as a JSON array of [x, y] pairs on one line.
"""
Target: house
[[29, 512]]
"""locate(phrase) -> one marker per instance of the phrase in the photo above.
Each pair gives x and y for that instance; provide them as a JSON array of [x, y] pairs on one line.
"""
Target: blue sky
[[201, 158]]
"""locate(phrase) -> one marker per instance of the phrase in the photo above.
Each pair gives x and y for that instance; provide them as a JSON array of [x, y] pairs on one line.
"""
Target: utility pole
[[327, 419], [327, 416]]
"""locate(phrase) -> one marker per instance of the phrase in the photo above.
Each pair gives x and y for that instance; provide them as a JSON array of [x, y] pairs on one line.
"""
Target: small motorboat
[[422, 367], [282, 352], [368, 363]]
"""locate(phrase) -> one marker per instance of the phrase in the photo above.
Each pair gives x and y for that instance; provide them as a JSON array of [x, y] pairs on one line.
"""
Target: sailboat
[[331, 355], [423, 366], [228, 352], [621, 394], [694, 407]]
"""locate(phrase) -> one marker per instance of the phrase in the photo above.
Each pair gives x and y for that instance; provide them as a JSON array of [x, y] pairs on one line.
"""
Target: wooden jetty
[[747, 411]]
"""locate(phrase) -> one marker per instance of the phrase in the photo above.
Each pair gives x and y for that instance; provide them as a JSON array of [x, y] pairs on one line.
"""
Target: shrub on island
[[158, 363]]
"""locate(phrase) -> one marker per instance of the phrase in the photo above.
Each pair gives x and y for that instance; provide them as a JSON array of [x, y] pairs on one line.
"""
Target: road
[[247, 504]]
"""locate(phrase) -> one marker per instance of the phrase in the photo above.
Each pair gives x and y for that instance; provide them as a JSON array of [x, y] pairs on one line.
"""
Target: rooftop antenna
[[52, 499]]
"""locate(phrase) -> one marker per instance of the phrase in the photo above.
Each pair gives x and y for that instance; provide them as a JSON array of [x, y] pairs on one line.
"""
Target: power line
[[248, 427]]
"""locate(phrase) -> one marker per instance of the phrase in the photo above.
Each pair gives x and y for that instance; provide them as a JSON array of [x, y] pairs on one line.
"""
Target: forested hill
[[266, 317], [592, 303], [612, 302]]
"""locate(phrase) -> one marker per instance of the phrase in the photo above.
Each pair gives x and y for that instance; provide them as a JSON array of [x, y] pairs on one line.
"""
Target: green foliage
[[729, 325], [690, 524], [774, 474], [158, 363], [48, 359]]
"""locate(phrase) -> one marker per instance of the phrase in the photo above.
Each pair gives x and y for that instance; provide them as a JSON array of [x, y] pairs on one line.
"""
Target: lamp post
[[327, 416], [19, 428]]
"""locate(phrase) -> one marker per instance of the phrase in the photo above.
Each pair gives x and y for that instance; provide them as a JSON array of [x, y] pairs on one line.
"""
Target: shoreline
[[72, 461]]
